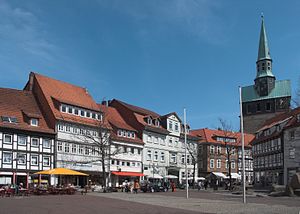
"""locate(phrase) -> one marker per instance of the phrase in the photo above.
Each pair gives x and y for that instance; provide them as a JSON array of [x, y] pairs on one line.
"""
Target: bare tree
[[230, 140], [100, 143]]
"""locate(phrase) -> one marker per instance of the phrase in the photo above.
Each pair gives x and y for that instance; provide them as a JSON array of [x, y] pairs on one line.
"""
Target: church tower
[[268, 96]]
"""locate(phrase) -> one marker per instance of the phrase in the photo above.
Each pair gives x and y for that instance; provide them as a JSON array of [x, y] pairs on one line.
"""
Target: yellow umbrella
[[60, 171]]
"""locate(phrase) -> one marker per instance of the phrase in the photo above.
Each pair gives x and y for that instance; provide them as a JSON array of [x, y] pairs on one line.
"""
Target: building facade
[[214, 147], [26, 141], [163, 152], [275, 148], [267, 97]]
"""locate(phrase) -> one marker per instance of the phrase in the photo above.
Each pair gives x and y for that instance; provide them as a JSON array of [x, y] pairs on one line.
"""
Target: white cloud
[[21, 31], [197, 18]]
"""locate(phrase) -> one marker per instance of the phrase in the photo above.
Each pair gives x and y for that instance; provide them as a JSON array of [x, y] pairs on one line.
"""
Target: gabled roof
[[290, 117], [56, 90], [170, 114], [113, 117], [282, 89], [139, 110], [209, 136], [23, 106]]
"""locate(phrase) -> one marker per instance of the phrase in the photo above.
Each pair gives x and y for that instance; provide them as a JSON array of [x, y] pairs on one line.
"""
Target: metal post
[[185, 151], [243, 146]]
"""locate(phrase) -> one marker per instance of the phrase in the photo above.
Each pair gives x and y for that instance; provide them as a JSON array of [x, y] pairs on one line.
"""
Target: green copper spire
[[264, 61], [263, 50]]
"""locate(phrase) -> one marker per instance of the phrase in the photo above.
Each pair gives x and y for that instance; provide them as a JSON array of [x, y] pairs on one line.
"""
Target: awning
[[219, 174], [171, 176], [130, 174], [157, 176], [60, 171], [235, 176]]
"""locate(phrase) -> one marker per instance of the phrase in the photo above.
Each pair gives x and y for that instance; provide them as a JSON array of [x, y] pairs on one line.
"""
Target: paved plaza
[[148, 203]]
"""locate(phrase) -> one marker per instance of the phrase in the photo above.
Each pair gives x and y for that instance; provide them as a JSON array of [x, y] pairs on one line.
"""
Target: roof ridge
[[61, 81]]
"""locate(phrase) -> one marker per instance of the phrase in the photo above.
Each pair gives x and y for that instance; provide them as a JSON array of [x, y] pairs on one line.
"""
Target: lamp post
[[15, 171]]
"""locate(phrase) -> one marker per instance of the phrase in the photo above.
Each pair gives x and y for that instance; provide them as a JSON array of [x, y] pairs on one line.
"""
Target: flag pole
[[185, 146], [243, 145]]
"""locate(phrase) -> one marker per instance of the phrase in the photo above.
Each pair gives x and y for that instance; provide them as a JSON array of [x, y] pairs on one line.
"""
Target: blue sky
[[161, 55]]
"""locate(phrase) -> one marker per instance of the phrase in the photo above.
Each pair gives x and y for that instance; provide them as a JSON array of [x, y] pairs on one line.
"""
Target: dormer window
[[170, 125], [34, 122], [149, 121], [63, 108], [9, 119], [176, 127], [157, 123]]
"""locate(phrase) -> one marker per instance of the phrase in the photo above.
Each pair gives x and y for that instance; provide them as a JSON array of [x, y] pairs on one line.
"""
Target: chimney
[[31, 76], [86, 90]]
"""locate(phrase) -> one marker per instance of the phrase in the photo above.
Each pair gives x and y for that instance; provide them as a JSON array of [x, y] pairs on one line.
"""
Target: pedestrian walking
[[173, 186], [136, 186]]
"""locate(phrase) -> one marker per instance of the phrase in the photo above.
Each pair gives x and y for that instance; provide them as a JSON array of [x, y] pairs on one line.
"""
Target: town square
[[136, 106]]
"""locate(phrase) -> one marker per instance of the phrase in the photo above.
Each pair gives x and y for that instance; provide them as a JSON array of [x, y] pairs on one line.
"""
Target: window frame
[[3, 158], [20, 137], [46, 157], [10, 136], [37, 160]]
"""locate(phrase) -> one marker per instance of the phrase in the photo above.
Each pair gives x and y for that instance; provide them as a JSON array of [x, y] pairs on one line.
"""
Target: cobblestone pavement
[[81, 204], [209, 202]]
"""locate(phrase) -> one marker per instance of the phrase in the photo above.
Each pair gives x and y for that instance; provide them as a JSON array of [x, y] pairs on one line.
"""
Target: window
[[182, 159], [22, 140], [94, 115], [268, 106], [46, 161], [149, 121], [34, 142], [132, 135], [162, 156], [173, 158], [74, 148], [149, 155], [157, 123], [63, 108], [292, 135], [7, 157], [170, 125], [219, 163], [80, 150], [149, 138], [68, 128], [8, 138], [176, 143], [59, 146], [82, 113], [9, 119], [87, 151], [176, 127], [226, 164], [88, 114], [119, 132], [46, 143], [21, 158], [34, 160], [128, 134], [133, 164], [60, 127], [248, 109], [232, 164], [34, 122], [76, 111], [258, 107], [212, 163], [155, 155], [170, 142], [212, 149], [219, 150], [155, 139], [127, 163], [292, 153], [67, 147]]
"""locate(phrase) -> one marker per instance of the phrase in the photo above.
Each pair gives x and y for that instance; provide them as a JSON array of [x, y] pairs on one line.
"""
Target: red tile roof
[[23, 106], [139, 110], [68, 94], [209, 136], [117, 122]]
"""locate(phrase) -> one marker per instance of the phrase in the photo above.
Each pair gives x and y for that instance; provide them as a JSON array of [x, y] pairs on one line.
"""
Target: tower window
[[263, 64], [263, 68], [268, 106], [258, 107], [269, 64], [269, 68]]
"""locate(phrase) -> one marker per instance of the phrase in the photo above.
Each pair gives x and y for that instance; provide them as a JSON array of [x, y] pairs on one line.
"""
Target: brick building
[[213, 149]]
